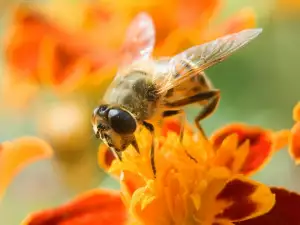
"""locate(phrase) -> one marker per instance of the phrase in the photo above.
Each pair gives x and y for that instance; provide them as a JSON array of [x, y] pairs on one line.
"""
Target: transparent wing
[[138, 44], [198, 58], [139, 41]]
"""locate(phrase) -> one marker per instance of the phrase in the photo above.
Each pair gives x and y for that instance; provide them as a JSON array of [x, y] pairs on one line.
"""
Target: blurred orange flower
[[16, 154], [44, 52], [294, 147], [287, 7], [97, 207]]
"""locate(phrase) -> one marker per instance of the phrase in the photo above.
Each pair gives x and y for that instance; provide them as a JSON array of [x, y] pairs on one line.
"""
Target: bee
[[146, 90]]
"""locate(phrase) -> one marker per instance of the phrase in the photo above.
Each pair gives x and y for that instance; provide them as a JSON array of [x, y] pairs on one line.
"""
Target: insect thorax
[[137, 93]]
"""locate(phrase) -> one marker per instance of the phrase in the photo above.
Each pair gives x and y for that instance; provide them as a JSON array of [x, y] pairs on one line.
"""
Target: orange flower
[[14, 155], [185, 191], [208, 191], [294, 147]]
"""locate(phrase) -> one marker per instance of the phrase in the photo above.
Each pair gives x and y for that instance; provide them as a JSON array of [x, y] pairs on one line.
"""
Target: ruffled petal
[[245, 199], [260, 144], [284, 212], [94, 208], [16, 154]]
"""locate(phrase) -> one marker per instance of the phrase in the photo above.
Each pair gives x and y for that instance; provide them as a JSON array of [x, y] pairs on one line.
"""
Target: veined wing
[[138, 45], [198, 58], [139, 40]]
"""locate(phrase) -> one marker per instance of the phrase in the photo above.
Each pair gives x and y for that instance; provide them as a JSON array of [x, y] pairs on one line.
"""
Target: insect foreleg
[[182, 118], [181, 114], [150, 128], [117, 154], [135, 145]]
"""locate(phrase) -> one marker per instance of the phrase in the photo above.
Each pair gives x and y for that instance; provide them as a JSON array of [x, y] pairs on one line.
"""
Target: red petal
[[238, 192], [173, 125], [105, 157], [93, 208], [285, 211], [294, 147], [260, 144]]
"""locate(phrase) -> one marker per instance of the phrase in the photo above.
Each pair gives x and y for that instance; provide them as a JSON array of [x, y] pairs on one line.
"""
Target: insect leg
[[181, 113], [117, 154], [212, 96], [135, 145], [207, 110], [206, 95], [150, 128]]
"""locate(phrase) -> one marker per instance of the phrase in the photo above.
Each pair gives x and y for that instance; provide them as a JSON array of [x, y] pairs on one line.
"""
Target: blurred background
[[57, 57]]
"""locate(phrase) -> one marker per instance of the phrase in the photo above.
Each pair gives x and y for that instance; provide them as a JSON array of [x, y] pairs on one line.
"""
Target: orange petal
[[284, 212], [67, 52], [281, 139], [148, 208], [95, 207], [130, 182], [261, 144], [294, 148], [296, 112], [193, 12], [28, 30], [17, 154], [246, 199]]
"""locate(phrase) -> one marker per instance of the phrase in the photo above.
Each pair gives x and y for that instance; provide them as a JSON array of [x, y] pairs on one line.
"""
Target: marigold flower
[[185, 191]]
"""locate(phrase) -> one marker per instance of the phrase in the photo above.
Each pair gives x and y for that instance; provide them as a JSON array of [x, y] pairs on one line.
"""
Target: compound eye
[[121, 121]]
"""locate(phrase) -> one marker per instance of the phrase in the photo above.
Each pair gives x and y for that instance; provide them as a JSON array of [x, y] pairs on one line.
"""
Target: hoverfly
[[146, 90]]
